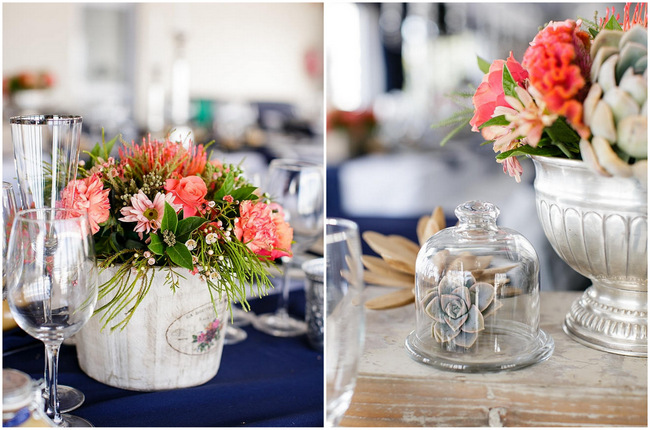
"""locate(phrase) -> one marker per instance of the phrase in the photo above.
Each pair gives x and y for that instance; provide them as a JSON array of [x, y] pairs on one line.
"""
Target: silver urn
[[599, 226]]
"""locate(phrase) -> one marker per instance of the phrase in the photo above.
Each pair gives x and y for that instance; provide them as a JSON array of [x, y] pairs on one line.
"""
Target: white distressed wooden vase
[[173, 340]]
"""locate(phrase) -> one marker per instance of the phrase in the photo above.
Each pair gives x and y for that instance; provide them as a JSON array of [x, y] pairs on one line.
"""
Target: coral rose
[[263, 231], [88, 195], [489, 93], [189, 191]]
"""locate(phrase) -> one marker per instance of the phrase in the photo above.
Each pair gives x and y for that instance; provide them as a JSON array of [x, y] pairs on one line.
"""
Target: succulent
[[459, 306], [615, 108]]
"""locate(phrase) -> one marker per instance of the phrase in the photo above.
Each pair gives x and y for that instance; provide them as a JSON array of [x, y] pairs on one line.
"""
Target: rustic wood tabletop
[[577, 386]]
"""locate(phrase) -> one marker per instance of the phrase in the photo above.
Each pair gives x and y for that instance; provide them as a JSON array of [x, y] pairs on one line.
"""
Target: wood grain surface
[[577, 386]]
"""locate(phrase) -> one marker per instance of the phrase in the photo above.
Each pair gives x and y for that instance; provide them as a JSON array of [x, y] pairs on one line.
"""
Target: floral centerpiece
[[164, 204], [27, 80], [580, 92]]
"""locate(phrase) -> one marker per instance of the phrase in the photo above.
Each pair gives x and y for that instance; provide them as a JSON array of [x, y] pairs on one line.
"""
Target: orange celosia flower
[[558, 64]]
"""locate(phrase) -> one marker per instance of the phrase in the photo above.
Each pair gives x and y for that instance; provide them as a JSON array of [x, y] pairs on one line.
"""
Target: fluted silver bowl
[[599, 227]]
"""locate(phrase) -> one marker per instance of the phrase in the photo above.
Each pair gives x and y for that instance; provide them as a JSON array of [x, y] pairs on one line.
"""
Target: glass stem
[[283, 300], [52, 374]]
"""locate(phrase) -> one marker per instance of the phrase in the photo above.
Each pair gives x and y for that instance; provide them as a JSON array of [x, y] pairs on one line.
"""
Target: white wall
[[235, 51]]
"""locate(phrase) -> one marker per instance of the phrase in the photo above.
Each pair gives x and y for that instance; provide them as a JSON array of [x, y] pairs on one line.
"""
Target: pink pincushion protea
[[88, 195], [147, 214], [559, 63], [262, 231], [153, 154]]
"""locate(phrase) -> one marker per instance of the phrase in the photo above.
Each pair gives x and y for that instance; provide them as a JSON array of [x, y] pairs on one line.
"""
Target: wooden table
[[576, 386]]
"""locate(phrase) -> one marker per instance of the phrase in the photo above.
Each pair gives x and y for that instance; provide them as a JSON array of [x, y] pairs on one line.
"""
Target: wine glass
[[234, 331], [46, 156], [298, 187], [52, 285], [344, 319]]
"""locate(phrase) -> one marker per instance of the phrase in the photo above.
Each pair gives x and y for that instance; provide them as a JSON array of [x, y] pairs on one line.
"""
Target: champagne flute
[[52, 285], [46, 155], [298, 187], [344, 315]]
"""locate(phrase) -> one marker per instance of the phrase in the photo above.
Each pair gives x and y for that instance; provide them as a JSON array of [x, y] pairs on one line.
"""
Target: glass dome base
[[511, 348]]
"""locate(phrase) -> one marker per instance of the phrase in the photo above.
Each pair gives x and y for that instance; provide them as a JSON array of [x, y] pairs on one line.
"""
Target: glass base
[[280, 325], [234, 335], [503, 347], [74, 421], [69, 398]]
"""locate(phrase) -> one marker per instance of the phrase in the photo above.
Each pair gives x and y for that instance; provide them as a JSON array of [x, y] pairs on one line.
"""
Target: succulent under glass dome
[[459, 306], [477, 297]]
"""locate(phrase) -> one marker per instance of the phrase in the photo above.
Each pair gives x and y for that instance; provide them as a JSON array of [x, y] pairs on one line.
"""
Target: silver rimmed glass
[[46, 157], [46, 154], [52, 285]]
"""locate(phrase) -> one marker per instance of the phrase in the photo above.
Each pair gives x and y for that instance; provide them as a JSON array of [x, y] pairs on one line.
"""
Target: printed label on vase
[[195, 332]]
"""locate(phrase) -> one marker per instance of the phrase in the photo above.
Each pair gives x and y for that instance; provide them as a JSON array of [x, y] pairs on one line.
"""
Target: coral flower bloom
[[88, 195], [559, 63], [147, 214]]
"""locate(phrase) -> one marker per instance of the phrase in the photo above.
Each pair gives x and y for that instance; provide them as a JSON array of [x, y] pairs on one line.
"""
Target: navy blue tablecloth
[[262, 381]]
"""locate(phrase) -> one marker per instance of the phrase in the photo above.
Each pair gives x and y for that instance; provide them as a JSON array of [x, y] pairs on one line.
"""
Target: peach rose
[[189, 191]]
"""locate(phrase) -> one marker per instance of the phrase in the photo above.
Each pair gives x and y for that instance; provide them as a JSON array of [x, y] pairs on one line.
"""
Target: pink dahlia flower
[[147, 214], [88, 195], [263, 231], [489, 94], [559, 63]]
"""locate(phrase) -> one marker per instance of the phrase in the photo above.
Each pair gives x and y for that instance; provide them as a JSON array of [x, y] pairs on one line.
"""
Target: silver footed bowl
[[599, 226]]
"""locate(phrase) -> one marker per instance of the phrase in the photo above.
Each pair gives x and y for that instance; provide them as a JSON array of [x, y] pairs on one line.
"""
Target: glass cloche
[[477, 297]]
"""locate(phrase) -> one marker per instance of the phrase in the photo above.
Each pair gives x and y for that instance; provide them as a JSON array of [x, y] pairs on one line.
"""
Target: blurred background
[[391, 69], [248, 76]]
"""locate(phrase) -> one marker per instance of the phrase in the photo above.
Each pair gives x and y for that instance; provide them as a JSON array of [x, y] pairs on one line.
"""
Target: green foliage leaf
[[509, 83], [462, 116], [170, 219], [483, 64], [612, 24], [243, 193], [187, 226], [549, 151], [497, 120], [562, 133], [134, 244], [455, 131], [102, 150], [226, 188], [156, 245], [180, 255]]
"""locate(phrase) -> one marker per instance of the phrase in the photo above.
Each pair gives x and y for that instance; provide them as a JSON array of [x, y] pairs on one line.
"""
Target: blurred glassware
[[52, 285], [345, 319], [9, 209], [22, 405], [298, 187], [314, 301]]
